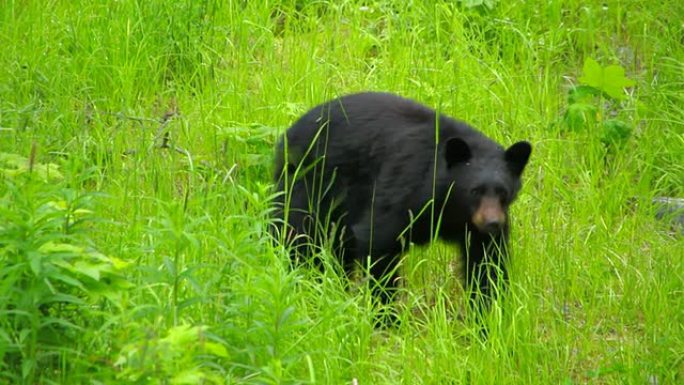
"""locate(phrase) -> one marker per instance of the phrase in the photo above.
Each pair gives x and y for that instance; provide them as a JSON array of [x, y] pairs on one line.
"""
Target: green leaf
[[64, 323], [48, 172], [582, 94], [90, 269], [592, 73], [27, 367], [68, 280], [285, 315], [23, 335], [5, 338], [36, 263], [216, 349], [472, 3], [182, 335], [63, 298], [51, 247], [191, 376], [615, 132], [611, 80], [490, 3], [13, 160], [579, 116], [119, 264], [13, 165]]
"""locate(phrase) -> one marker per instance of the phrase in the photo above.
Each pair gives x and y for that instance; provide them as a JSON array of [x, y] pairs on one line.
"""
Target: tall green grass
[[136, 146]]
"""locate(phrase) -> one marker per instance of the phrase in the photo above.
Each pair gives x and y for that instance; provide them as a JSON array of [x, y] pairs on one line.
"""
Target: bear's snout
[[489, 216]]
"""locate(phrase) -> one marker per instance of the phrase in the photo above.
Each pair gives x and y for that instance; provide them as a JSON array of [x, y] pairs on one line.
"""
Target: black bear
[[373, 172]]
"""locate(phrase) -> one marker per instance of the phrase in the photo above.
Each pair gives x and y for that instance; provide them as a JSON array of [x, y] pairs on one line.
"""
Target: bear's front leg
[[486, 267]]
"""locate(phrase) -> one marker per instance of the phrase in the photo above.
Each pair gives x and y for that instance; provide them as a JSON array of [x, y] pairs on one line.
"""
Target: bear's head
[[486, 180]]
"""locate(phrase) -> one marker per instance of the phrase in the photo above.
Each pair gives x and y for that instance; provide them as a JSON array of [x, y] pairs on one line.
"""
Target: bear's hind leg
[[380, 255]]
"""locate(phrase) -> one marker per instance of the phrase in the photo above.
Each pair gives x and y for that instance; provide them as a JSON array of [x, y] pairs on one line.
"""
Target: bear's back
[[366, 130]]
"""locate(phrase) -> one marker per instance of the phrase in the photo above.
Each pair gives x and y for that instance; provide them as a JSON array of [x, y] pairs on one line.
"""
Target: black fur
[[368, 165]]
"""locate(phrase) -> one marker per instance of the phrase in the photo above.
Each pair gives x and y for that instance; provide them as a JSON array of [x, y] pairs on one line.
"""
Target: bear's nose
[[492, 226]]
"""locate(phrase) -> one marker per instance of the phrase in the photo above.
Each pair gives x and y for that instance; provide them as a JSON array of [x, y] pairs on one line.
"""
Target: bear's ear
[[517, 156], [457, 151]]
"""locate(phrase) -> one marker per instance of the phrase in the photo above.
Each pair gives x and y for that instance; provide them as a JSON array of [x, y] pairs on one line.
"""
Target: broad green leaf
[[216, 349], [60, 205], [191, 376], [10, 173], [92, 270], [48, 172], [119, 264], [51, 247], [120, 361], [13, 164], [610, 80], [13, 160], [182, 335], [592, 74], [615, 81]]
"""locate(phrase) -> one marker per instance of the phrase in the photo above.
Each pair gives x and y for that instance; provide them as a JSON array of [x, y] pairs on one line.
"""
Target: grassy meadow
[[136, 150]]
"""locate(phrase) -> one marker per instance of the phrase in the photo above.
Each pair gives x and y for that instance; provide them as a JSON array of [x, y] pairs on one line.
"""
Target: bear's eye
[[501, 193], [477, 191]]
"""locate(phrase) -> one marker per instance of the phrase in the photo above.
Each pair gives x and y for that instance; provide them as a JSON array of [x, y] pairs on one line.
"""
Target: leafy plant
[[12, 165], [171, 358], [610, 80], [52, 280], [599, 95]]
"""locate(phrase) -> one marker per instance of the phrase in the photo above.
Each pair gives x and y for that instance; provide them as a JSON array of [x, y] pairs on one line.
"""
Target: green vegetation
[[136, 141]]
